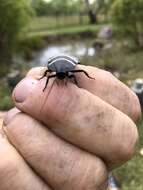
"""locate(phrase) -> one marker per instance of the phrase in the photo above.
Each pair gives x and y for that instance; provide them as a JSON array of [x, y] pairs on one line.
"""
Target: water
[[78, 49]]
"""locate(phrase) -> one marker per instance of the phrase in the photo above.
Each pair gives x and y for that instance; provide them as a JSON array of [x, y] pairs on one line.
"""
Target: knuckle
[[95, 175], [10, 115], [136, 108], [98, 174], [130, 148], [110, 78], [127, 147], [108, 74], [87, 173], [135, 111]]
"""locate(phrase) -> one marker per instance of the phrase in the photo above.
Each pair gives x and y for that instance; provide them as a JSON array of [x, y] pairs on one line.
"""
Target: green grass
[[50, 26], [50, 22], [68, 30], [130, 175]]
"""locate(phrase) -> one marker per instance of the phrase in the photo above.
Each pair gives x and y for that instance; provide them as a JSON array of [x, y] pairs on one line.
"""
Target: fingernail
[[10, 115], [23, 89]]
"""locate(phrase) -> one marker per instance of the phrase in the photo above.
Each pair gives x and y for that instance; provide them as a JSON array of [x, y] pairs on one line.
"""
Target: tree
[[92, 15], [96, 8], [13, 17], [128, 16], [55, 8], [103, 6], [41, 7]]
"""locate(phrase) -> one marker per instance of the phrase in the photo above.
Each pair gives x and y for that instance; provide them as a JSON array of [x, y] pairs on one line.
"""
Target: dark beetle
[[63, 66]]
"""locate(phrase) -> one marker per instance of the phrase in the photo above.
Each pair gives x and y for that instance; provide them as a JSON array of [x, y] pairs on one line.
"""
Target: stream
[[80, 49]]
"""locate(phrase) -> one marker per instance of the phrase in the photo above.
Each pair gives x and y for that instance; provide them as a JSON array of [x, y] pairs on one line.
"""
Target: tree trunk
[[92, 15]]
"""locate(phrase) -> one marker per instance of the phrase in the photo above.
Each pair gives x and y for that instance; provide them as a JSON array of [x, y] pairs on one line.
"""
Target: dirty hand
[[67, 137]]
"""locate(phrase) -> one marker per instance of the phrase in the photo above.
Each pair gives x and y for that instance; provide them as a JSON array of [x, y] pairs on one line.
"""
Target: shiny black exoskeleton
[[63, 66]]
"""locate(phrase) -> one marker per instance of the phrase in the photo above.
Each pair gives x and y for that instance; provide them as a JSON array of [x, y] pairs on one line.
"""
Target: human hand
[[96, 136]]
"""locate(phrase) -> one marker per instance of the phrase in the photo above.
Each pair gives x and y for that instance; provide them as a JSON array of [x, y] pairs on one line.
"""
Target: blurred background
[[104, 33]]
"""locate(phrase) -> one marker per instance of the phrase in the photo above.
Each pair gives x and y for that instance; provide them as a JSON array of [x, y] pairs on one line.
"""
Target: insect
[[64, 67]]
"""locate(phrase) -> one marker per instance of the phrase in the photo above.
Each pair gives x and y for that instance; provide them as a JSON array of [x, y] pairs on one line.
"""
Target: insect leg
[[82, 71], [52, 76], [45, 74]]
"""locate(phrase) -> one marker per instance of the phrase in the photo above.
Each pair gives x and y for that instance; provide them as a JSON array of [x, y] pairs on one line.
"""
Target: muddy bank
[[70, 36]]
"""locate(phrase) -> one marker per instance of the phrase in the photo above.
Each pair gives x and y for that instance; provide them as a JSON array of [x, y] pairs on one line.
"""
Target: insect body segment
[[64, 67]]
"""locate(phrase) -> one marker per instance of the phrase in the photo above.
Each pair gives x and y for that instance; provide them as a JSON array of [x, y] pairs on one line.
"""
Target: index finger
[[105, 86]]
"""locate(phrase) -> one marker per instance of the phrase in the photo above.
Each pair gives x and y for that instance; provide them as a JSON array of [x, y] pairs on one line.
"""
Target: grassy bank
[[71, 30], [123, 59], [51, 22], [52, 26]]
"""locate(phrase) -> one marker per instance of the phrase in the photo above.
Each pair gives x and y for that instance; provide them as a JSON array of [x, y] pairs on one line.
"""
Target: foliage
[[14, 16], [62, 7], [34, 43], [58, 7], [66, 7], [5, 97], [128, 16], [103, 7], [41, 7]]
